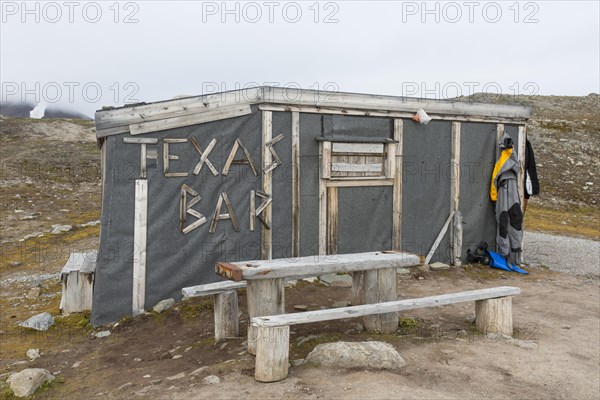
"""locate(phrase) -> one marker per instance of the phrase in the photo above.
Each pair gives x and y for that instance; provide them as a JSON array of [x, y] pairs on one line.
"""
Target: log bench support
[[265, 297], [272, 333], [225, 306]]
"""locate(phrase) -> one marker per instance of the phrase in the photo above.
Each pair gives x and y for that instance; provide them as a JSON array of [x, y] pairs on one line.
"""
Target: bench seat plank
[[381, 308], [304, 267], [212, 288]]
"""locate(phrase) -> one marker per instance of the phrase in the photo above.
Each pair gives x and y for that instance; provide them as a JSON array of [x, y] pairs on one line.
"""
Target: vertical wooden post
[[265, 297], [456, 235], [295, 184], [397, 196], [272, 353], [499, 133], [522, 150], [358, 288], [494, 315], [332, 220], [324, 174], [139, 243], [226, 315], [267, 186], [380, 286]]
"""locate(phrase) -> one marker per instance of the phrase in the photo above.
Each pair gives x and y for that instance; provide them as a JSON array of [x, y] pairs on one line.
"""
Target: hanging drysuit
[[504, 191]]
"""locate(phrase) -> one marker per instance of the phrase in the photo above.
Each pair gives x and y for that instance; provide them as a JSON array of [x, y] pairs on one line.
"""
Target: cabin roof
[[150, 117]]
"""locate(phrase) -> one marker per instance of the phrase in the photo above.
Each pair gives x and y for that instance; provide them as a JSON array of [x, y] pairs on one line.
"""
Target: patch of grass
[[194, 307], [408, 324], [579, 221]]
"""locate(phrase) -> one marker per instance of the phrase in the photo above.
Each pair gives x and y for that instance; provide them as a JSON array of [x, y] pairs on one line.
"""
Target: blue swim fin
[[497, 261]]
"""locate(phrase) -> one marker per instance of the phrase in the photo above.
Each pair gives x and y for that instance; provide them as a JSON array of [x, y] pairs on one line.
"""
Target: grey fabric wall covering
[[426, 186], [310, 127], [477, 159], [364, 219], [359, 128]]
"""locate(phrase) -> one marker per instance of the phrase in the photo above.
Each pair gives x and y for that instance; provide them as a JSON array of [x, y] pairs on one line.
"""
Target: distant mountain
[[21, 110]]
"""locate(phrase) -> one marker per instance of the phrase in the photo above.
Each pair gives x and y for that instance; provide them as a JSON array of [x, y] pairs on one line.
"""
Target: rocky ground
[[50, 178]]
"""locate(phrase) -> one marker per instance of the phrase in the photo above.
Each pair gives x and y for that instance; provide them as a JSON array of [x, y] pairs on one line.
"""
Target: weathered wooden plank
[[397, 191], [455, 235], [361, 148], [325, 159], [140, 140], [212, 288], [140, 225], [295, 184], [229, 271], [347, 167], [499, 134], [267, 186], [522, 149], [438, 239], [316, 265], [189, 119], [382, 308], [358, 182]]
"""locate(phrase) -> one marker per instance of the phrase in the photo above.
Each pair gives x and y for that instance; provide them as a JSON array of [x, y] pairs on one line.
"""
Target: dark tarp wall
[[426, 187], [310, 128], [354, 128], [364, 219], [282, 188], [477, 159], [175, 260]]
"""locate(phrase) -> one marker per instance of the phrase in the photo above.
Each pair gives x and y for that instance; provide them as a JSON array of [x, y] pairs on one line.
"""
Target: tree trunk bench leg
[[226, 315], [380, 286], [272, 353], [494, 315], [265, 297]]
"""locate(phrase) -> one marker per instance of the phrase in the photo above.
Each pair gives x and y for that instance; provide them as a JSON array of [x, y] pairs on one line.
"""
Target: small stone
[[177, 356], [26, 382], [163, 305], [359, 328], [187, 349], [58, 229], [421, 278], [290, 283], [33, 354], [125, 386], [403, 271], [16, 264], [590, 183], [147, 376], [137, 359], [102, 334], [438, 266], [180, 375], [156, 381], [211, 380], [39, 322], [311, 279], [566, 327], [373, 354], [461, 332], [298, 362], [76, 365], [301, 307], [34, 292]]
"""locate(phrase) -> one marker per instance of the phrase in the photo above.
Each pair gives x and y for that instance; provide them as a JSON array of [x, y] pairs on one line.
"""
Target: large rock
[[26, 382], [163, 305], [40, 322], [376, 355]]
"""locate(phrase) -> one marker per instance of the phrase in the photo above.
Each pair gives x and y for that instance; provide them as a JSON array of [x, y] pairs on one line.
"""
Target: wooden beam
[[267, 185], [295, 184], [189, 119], [324, 168], [499, 133], [455, 235], [361, 148], [212, 288], [356, 182], [439, 238], [382, 308], [140, 224], [265, 297], [315, 265], [347, 167], [522, 149], [397, 182]]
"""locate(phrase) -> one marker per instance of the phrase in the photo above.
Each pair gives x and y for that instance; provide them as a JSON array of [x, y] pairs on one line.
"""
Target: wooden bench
[[77, 279], [374, 281], [225, 305], [493, 308]]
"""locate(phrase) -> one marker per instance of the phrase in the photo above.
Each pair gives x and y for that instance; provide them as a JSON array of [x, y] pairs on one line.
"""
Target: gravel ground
[[562, 253]]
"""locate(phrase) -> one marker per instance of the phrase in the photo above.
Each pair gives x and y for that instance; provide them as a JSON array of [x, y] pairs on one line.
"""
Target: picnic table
[[373, 281]]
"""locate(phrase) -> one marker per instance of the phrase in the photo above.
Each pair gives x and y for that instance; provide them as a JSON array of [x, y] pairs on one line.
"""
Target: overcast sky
[[90, 54]]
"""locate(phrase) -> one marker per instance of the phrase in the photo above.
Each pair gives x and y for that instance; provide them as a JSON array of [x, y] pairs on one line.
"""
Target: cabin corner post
[[397, 188], [324, 173], [139, 243], [267, 185], [455, 233]]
